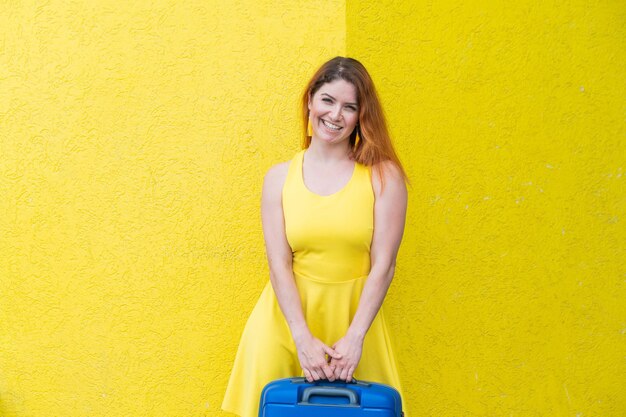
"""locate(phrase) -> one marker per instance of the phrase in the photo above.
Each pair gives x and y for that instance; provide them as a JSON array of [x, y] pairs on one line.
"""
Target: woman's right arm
[[311, 351]]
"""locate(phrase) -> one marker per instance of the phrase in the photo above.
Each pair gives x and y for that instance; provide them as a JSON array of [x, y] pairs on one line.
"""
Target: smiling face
[[333, 111]]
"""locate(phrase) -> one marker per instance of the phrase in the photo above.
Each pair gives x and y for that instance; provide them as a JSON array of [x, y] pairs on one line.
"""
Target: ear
[[309, 103]]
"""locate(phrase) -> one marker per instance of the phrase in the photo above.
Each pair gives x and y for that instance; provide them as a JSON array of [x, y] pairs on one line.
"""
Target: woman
[[333, 219]]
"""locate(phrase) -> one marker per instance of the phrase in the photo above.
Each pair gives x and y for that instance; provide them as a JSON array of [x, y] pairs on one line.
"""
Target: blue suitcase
[[297, 397]]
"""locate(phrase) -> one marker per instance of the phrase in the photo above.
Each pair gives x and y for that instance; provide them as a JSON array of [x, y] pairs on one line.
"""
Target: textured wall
[[133, 141], [509, 299]]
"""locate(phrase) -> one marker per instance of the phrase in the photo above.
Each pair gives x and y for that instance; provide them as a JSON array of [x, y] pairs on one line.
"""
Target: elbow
[[391, 270], [385, 270], [278, 270], [274, 275], [273, 278]]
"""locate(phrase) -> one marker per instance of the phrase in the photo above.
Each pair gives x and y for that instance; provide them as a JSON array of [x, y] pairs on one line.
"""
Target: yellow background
[[133, 142]]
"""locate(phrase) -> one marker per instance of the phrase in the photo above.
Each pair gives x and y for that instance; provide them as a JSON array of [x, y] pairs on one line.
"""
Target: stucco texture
[[133, 142], [510, 116], [134, 137]]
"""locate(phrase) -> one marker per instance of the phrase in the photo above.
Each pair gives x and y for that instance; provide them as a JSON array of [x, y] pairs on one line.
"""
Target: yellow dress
[[330, 237]]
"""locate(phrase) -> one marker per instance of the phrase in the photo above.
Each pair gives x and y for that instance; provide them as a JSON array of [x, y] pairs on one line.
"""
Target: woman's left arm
[[389, 217]]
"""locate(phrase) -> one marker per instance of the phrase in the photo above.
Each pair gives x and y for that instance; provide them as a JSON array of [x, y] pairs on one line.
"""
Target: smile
[[330, 125]]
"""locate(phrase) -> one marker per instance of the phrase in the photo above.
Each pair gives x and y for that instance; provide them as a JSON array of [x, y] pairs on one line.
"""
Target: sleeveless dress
[[330, 237]]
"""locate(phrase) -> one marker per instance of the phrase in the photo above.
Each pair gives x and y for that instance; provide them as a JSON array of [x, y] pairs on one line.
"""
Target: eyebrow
[[326, 94]]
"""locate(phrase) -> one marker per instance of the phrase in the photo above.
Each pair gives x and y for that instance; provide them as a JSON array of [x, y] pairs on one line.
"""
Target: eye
[[351, 108], [327, 100]]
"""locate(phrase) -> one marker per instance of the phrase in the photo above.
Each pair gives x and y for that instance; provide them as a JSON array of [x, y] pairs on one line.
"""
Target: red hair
[[375, 145]]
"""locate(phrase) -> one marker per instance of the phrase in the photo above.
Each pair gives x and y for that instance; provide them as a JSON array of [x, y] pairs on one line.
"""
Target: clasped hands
[[319, 361]]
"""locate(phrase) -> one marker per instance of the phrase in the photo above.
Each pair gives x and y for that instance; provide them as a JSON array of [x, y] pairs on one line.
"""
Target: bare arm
[[311, 351], [389, 219]]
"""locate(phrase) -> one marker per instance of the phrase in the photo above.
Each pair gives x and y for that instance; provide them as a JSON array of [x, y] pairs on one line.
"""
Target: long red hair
[[375, 145]]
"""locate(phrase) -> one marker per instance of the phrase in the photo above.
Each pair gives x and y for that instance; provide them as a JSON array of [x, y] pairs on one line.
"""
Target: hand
[[312, 355], [350, 348]]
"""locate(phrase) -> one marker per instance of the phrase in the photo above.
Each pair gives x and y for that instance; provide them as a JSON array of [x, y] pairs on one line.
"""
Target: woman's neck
[[327, 153]]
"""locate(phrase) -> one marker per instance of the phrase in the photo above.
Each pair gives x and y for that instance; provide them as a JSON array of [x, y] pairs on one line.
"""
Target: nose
[[335, 113]]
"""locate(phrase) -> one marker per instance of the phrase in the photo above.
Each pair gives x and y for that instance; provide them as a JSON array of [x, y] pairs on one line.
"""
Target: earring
[[309, 129], [357, 139]]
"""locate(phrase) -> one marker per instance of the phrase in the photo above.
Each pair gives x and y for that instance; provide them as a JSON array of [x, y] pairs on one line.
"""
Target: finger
[[328, 372], [332, 353], [315, 375], [344, 374], [307, 375], [350, 372], [332, 368], [338, 372]]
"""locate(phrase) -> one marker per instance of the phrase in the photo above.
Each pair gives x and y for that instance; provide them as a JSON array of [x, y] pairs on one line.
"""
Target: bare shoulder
[[391, 177], [277, 172], [275, 177]]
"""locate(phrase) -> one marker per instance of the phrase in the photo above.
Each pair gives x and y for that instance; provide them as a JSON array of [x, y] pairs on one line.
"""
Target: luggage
[[297, 397]]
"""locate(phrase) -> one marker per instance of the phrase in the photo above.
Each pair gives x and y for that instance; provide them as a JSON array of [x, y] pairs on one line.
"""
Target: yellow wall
[[510, 295], [133, 140]]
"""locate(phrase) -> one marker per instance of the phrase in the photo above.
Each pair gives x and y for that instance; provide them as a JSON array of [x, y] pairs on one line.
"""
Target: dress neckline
[[346, 185]]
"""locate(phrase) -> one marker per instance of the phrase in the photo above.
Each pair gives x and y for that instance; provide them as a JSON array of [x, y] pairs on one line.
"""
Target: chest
[[325, 181], [321, 223]]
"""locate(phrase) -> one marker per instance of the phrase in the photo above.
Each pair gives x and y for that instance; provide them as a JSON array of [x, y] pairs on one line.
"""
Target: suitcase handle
[[300, 380], [330, 392]]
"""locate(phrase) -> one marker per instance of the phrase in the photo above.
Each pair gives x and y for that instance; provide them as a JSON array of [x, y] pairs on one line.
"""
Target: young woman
[[333, 218]]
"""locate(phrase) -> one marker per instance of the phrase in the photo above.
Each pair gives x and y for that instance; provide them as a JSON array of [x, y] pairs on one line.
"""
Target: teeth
[[330, 125]]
